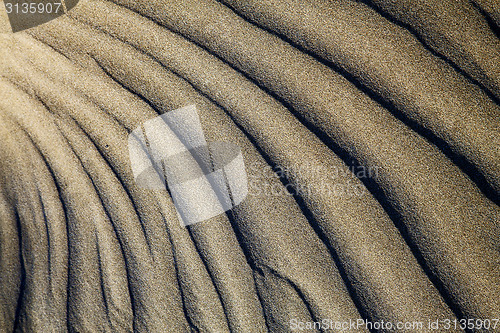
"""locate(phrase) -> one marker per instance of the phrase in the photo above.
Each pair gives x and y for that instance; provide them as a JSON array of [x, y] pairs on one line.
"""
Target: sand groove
[[319, 91]]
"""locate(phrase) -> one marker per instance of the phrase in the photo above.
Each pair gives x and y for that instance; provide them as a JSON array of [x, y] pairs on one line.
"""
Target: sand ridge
[[86, 249]]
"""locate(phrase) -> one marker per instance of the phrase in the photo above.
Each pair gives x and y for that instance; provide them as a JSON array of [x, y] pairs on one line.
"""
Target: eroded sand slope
[[380, 119]]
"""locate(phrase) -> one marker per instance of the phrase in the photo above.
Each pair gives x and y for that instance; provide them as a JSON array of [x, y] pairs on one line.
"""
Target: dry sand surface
[[370, 133]]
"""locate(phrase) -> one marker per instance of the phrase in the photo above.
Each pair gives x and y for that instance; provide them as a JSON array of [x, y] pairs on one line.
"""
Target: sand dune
[[370, 135]]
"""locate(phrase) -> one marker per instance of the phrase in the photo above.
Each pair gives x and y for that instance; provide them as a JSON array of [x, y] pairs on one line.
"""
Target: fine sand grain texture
[[370, 134]]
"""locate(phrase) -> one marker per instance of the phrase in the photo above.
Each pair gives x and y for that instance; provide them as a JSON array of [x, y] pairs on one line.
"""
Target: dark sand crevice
[[301, 45], [11, 242], [15, 322], [201, 301], [266, 277], [231, 273], [450, 31], [185, 310], [52, 318], [119, 304], [11, 263], [109, 322], [297, 198], [469, 168], [378, 193], [31, 167], [491, 11], [320, 46], [151, 280], [400, 252], [307, 213]]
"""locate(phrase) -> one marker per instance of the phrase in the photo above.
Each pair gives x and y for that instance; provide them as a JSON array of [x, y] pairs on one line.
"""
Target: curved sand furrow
[[456, 30], [115, 255], [393, 64], [155, 98], [43, 236], [372, 265], [310, 88], [385, 268]]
